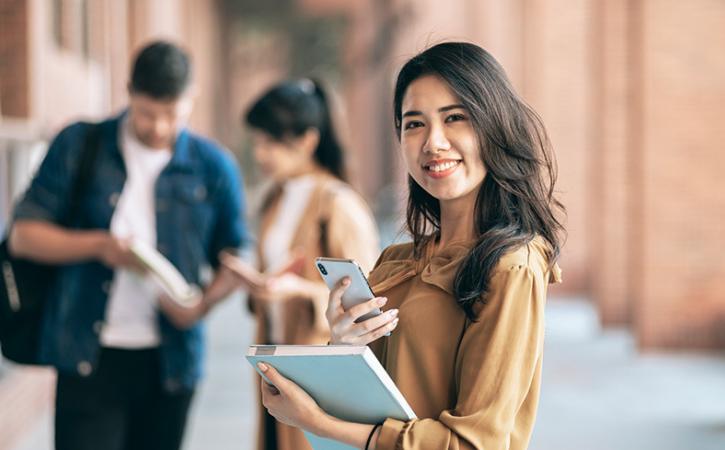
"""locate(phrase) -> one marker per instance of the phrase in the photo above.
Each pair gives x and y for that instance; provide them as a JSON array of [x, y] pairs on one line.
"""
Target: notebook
[[347, 382]]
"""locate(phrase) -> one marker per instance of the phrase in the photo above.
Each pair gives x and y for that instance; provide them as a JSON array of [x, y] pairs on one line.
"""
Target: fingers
[[242, 270], [357, 311], [367, 331], [378, 333], [343, 326], [376, 322], [272, 375], [125, 257], [334, 307], [267, 389], [368, 337]]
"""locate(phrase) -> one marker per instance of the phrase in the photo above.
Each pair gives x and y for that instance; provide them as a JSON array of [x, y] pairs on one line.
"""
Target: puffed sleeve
[[351, 234], [498, 374]]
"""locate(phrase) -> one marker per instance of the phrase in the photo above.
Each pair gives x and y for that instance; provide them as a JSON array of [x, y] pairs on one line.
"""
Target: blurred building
[[633, 95], [62, 60]]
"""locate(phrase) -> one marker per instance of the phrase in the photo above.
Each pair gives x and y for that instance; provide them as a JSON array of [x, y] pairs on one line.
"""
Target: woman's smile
[[441, 168]]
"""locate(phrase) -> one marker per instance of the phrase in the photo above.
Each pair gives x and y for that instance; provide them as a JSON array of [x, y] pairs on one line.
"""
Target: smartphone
[[333, 270]]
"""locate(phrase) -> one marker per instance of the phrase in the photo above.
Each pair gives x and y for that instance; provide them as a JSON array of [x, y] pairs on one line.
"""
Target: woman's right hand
[[344, 330]]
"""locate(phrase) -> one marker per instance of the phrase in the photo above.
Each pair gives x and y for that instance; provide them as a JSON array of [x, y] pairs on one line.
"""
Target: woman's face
[[439, 144], [279, 160]]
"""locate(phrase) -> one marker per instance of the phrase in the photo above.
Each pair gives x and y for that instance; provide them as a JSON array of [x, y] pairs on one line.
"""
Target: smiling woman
[[466, 297], [439, 144]]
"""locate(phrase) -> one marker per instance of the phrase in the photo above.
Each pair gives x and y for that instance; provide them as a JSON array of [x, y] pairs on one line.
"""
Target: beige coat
[[341, 215], [473, 385]]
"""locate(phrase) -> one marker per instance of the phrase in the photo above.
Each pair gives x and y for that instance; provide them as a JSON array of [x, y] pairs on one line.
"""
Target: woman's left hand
[[290, 404]]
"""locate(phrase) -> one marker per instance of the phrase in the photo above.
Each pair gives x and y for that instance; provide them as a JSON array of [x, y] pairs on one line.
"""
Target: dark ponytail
[[291, 108]]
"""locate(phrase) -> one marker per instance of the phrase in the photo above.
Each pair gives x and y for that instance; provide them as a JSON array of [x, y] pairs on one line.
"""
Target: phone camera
[[322, 269]]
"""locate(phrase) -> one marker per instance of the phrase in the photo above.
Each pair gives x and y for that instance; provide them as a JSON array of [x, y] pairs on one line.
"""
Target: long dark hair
[[516, 200], [291, 108]]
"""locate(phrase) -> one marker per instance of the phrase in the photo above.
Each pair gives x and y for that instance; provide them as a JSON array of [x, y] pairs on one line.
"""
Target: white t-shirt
[[131, 317], [277, 244]]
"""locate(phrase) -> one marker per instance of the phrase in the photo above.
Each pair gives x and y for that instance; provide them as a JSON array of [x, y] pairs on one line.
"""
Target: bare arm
[[223, 284], [46, 242], [49, 243]]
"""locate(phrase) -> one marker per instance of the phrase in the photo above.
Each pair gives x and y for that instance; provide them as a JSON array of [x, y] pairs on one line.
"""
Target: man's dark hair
[[162, 70]]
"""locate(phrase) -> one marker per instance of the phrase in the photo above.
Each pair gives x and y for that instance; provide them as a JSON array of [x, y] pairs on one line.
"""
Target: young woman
[[309, 212], [466, 298]]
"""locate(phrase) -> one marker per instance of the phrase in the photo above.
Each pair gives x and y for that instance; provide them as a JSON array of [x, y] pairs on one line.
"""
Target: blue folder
[[348, 382]]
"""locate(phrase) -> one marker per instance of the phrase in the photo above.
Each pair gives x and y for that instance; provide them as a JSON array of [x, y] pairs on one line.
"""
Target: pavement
[[222, 415], [598, 392]]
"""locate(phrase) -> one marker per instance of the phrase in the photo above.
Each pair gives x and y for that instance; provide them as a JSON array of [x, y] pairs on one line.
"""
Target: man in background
[[128, 360]]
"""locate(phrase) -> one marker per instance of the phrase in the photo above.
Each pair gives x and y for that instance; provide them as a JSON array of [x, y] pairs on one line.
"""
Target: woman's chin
[[452, 193]]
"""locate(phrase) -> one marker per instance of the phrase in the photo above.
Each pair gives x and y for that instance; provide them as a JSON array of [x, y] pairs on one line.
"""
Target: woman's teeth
[[442, 166]]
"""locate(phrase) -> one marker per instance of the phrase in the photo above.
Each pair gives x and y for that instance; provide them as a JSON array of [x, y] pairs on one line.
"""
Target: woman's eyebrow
[[443, 109], [412, 113], [450, 107]]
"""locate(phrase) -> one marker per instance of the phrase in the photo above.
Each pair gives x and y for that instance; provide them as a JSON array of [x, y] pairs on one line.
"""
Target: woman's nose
[[437, 140]]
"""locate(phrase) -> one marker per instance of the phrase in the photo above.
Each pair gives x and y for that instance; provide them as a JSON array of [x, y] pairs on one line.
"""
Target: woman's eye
[[456, 117], [412, 124]]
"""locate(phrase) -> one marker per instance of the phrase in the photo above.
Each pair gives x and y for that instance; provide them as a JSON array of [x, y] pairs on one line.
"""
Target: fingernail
[[346, 281], [395, 322], [393, 313], [262, 366], [382, 301]]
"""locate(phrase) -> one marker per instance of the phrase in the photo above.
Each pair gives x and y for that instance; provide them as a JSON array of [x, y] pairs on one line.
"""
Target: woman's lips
[[441, 168]]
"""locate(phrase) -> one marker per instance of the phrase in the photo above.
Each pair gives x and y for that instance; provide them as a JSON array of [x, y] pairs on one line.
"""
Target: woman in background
[[466, 298], [310, 211]]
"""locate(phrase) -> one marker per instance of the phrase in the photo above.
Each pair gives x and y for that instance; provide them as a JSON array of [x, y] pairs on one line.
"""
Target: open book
[[347, 382], [164, 273]]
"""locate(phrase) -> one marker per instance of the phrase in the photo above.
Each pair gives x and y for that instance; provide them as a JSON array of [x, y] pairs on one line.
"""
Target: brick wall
[[14, 95], [557, 82], [682, 301], [611, 168]]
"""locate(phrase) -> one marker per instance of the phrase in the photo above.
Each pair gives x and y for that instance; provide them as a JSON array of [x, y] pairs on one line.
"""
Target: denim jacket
[[199, 211]]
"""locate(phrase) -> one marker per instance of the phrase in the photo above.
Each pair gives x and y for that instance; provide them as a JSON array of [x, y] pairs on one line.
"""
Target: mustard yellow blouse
[[473, 385]]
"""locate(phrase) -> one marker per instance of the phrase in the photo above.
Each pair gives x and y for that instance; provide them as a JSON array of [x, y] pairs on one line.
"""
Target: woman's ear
[[308, 141]]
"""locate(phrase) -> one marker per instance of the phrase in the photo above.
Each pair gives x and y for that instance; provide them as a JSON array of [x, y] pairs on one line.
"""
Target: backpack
[[25, 284]]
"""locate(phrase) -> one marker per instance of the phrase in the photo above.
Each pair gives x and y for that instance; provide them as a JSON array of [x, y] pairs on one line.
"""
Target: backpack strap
[[84, 171]]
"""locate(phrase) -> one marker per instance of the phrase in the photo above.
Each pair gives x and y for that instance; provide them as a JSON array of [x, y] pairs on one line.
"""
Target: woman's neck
[[457, 220], [306, 169]]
